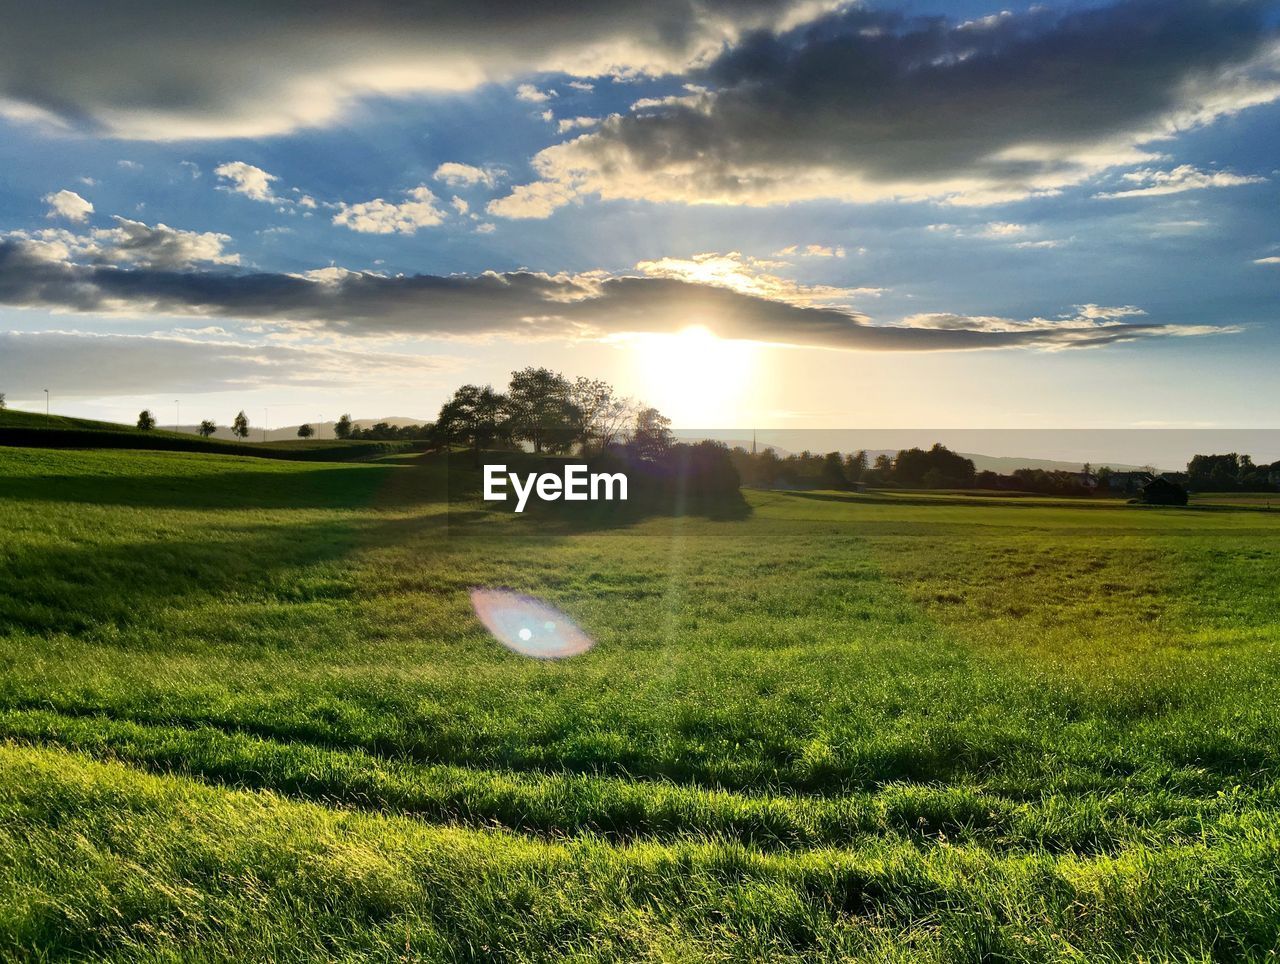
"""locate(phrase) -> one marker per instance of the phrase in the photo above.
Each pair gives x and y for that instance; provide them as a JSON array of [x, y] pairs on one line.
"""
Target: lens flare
[[528, 626]]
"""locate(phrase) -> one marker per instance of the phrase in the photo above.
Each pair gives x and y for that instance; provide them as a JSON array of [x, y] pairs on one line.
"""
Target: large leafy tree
[[240, 426], [146, 421], [475, 416], [342, 427], [207, 428], [540, 410]]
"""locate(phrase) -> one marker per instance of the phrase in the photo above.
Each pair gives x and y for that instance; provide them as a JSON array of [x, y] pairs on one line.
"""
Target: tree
[[240, 427], [833, 471], [855, 465], [305, 431], [539, 410], [601, 416], [146, 421], [3, 406], [651, 438], [342, 427], [207, 428], [474, 416]]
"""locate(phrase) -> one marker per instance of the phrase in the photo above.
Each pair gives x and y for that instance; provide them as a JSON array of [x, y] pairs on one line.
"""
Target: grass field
[[246, 713]]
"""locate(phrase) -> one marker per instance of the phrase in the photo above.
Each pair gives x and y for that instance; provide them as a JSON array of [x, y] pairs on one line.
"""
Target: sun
[[695, 378]]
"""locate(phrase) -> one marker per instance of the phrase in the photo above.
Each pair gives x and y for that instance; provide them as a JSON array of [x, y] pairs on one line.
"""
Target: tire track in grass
[[618, 809]]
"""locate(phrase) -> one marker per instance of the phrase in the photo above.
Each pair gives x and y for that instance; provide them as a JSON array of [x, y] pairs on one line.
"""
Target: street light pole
[[177, 415], [266, 417], [46, 408]]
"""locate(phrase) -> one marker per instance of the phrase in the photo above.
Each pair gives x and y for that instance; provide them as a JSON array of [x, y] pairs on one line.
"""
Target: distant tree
[[3, 406], [146, 421], [207, 428], [240, 426], [855, 465], [305, 431], [475, 416], [651, 438], [936, 468], [342, 427], [833, 471], [539, 410]]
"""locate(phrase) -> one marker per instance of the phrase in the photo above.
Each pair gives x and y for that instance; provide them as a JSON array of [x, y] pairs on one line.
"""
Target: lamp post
[[266, 417], [46, 408], [177, 416]]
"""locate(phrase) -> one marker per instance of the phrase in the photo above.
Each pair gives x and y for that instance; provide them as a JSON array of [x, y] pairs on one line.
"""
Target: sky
[[766, 213]]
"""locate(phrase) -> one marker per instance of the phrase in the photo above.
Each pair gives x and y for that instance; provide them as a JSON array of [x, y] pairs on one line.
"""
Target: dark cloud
[[158, 69], [867, 105], [523, 304]]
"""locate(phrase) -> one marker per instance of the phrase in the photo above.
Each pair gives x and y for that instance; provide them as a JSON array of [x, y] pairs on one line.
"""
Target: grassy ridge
[[880, 729], [31, 429]]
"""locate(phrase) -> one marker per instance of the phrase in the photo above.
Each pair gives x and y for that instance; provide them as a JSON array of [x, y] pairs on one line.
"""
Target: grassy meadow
[[246, 713]]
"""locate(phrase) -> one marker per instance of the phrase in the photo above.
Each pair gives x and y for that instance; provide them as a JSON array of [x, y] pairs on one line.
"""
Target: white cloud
[[132, 243], [69, 205], [460, 204], [455, 174], [485, 228], [811, 251], [419, 210], [1271, 260], [576, 123], [582, 85], [750, 276], [531, 94], [247, 179], [537, 200], [1185, 177]]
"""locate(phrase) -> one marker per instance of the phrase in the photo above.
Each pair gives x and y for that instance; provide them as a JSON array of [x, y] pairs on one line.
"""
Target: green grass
[[246, 713]]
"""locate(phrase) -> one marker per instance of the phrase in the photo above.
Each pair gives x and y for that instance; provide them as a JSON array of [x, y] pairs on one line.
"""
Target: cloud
[[1185, 177], [566, 124], [420, 210], [531, 94], [663, 298], [1271, 260], [582, 85], [460, 204], [811, 251], [243, 69], [865, 106], [751, 276], [131, 243], [246, 179], [69, 205], [90, 364], [464, 175]]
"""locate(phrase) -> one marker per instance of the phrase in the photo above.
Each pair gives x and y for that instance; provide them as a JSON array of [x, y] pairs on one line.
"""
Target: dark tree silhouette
[[475, 416], [305, 431], [539, 410], [146, 421], [207, 428], [240, 427], [342, 427]]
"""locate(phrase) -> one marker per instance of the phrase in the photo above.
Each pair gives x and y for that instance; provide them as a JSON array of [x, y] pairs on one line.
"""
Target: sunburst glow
[[694, 377]]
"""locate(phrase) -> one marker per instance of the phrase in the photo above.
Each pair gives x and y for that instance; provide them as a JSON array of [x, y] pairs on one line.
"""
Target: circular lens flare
[[528, 626]]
